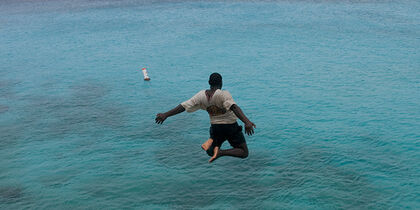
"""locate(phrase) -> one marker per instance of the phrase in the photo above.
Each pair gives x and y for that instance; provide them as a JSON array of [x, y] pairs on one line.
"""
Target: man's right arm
[[162, 116]]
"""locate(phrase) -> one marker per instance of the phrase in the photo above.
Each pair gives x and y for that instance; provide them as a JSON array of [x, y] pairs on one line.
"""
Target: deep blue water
[[333, 87]]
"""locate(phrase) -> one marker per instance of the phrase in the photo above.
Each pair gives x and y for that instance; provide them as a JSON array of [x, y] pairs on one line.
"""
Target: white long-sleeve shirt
[[218, 106]]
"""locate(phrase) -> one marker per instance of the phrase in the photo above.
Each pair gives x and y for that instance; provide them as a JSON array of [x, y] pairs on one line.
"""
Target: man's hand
[[249, 128], [160, 118]]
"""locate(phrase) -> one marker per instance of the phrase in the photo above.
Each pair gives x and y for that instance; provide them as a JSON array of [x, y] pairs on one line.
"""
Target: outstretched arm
[[162, 116], [249, 126]]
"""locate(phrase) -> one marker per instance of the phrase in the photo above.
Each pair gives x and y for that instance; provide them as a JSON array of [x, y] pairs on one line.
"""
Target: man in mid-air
[[223, 112]]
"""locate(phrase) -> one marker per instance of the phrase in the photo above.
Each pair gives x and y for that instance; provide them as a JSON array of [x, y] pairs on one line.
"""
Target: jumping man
[[223, 112]]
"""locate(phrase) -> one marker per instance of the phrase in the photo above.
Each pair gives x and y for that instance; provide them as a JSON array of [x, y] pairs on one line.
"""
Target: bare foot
[[207, 144], [216, 154]]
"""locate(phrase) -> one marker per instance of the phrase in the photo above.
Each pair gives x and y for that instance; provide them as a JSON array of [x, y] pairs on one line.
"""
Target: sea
[[333, 87]]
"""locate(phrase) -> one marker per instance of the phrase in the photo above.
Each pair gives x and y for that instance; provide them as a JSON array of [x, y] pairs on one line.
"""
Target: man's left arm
[[249, 126]]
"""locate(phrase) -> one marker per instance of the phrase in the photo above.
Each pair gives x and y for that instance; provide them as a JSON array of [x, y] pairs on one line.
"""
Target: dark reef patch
[[83, 112], [10, 194]]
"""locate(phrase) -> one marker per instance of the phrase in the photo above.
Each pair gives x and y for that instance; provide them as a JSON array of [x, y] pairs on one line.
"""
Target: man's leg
[[236, 140], [206, 145], [211, 149], [240, 151]]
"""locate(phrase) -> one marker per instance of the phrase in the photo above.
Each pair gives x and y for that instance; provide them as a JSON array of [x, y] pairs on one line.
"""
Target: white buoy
[[146, 77]]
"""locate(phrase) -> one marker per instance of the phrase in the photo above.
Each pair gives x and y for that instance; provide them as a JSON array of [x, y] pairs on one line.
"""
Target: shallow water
[[333, 88]]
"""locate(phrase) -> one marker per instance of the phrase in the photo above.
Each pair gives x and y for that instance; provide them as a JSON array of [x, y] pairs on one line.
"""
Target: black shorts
[[231, 132]]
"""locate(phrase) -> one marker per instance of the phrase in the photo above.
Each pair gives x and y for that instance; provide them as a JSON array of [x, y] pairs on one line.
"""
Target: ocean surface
[[333, 87]]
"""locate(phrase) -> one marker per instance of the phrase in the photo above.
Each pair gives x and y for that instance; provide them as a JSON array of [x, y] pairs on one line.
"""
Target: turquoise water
[[333, 87]]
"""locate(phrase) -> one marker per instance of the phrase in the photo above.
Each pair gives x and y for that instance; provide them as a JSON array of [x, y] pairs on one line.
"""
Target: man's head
[[215, 80]]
